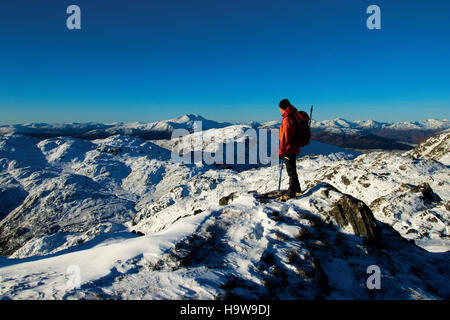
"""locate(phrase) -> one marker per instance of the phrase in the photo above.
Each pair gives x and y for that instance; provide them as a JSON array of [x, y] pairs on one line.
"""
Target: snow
[[187, 122], [94, 263], [212, 141], [92, 129], [437, 245], [429, 124], [435, 148], [72, 202]]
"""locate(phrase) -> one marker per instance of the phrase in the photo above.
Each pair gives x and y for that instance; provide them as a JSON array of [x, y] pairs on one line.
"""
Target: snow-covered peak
[[163, 128], [187, 118], [370, 124], [254, 124], [429, 124], [90, 130], [435, 124], [271, 124]]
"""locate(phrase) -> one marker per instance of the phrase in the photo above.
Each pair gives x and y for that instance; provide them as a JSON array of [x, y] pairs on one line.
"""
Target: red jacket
[[287, 132]]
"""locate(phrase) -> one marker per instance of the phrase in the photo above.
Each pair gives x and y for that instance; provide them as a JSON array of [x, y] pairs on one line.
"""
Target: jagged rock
[[226, 200], [349, 210], [139, 233], [276, 194], [428, 194]]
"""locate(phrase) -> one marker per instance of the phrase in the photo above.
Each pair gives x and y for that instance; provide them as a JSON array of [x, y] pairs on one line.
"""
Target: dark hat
[[284, 104]]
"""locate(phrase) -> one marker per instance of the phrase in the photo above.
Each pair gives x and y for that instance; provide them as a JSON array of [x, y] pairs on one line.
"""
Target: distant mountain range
[[357, 134], [372, 134], [342, 125], [429, 124], [91, 131]]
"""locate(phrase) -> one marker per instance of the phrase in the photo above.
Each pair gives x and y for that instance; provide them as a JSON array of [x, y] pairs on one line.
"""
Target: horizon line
[[208, 119]]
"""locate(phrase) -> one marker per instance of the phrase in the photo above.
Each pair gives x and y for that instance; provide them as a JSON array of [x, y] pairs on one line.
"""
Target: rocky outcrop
[[346, 211], [351, 211], [428, 195], [228, 199]]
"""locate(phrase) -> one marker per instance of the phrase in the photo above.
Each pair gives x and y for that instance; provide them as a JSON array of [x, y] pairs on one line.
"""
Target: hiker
[[289, 148]]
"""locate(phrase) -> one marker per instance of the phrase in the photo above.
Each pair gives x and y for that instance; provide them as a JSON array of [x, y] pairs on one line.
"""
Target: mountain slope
[[81, 189], [245, 249], [435, 148], [211, 141], [207, 232], [339, 132], [75, 188]]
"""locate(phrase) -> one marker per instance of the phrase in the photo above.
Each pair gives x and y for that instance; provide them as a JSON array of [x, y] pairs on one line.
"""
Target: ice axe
[[281, 171], [310, 116]]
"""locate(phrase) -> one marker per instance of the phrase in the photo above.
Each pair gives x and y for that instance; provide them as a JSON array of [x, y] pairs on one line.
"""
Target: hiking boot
[[287, 196]]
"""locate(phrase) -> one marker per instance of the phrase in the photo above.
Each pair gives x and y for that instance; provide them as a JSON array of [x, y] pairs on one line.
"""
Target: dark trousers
[[291, 168]]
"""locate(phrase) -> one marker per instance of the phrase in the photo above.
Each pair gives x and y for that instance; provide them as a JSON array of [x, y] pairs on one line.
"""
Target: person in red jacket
[[289, 148]]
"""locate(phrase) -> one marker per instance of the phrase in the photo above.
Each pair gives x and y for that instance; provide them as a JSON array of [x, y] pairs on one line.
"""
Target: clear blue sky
[[230, 60]]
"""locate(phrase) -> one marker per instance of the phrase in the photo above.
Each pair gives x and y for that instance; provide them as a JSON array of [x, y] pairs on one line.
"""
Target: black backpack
[[302, 128]]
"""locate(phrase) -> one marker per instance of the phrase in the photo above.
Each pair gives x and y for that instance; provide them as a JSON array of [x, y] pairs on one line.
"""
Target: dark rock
[[349, 210], [345, 180], [22, 231], [226, 200], [428, 194], [263, 197], [140, 234]]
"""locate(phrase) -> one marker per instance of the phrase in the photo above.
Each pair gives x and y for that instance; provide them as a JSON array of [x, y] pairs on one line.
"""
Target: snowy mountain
[[347, 126], [71, 190], [358, 134], [138, 225], [215, 139], [429, 124], [370, 134], [370, 124], [153, 130]]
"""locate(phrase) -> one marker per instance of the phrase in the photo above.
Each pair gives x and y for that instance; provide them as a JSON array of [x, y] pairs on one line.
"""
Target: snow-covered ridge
[[429, 124], [187, 122], [359, 135], [152, 130], [436, 148], [370, 134], [214, 139]]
